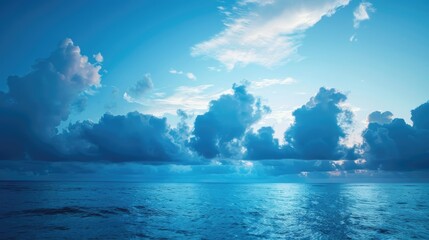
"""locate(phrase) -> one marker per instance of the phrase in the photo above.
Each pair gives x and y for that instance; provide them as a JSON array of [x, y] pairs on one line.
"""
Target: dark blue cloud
[[133, 137], [319, 126], [141, 87], [218, 132], [262, 145], [316, 132], [397, 145], [38, 102], [380, 117], [420, 116]]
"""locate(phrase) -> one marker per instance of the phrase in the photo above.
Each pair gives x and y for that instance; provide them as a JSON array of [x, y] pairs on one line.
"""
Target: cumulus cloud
[[265, 32], [316, 132], [38, 102], [98, 57], [132, 137], [396, 145], [262, 145], [140, 88], [218, 131], [191, 76], [420, 116], [380, 117], [319, 126], [361, 13]]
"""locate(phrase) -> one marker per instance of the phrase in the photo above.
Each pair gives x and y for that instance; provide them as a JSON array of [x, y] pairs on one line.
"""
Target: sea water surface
[[117, 210]]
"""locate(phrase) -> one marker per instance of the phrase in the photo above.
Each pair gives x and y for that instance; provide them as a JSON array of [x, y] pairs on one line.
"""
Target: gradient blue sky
[[194, 51]]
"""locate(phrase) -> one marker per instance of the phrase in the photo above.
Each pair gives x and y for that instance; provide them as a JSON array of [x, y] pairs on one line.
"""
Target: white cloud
[[214, 69], [361, 13], [353, 38], [265, 32], [271, 82], [194, 100], [174, 71], [189, 75], [259, 2], [98, 57]]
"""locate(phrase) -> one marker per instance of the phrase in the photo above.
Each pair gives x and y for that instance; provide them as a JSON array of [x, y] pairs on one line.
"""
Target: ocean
[[118, 210]]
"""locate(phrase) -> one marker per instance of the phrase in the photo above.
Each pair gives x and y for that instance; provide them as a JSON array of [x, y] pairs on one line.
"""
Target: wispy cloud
[[267, 82], [361, 13], [265, 32], [193, 99], [188, 75], [353, 38]]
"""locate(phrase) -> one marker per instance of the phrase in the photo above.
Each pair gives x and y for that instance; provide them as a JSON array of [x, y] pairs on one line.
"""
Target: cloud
[[193, 99], [272, 82], [265, 32], [191, 76], [98, 57], [133, 137], [262, 145], [38, 102], [174, 71], [361, 13], [214, 69], [420, 117], [188, 75], [258, 2], [316, 133], [380, 117], [396, 145], [218, 131], [319, 126], [140, 88]]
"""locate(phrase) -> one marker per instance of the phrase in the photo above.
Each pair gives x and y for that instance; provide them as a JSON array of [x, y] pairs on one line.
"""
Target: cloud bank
[[221, 139]]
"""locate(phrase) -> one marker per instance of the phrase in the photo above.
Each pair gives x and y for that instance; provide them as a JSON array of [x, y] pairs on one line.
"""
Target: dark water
[[91, 210]]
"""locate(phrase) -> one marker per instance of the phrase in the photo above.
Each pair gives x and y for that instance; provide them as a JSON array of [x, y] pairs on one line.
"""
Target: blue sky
[[156, 57]]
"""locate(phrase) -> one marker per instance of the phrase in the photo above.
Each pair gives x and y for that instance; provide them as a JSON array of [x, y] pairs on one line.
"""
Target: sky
[[244, 90]]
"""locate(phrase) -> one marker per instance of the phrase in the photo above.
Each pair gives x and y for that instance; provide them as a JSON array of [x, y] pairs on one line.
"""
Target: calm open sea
[[113, 210]]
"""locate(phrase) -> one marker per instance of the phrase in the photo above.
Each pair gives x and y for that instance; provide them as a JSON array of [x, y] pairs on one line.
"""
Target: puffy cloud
[[141, 87], [265, 32], [319, 126], [133, 137], [218, 131], [191, 76], [397, 145], [98, 57], [380, 117], [316, 133], [38, 102], [420, 116], [263, 145], [361, 13]]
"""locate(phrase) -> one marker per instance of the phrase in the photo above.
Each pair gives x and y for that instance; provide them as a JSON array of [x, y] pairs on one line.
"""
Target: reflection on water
[[213, 211]]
